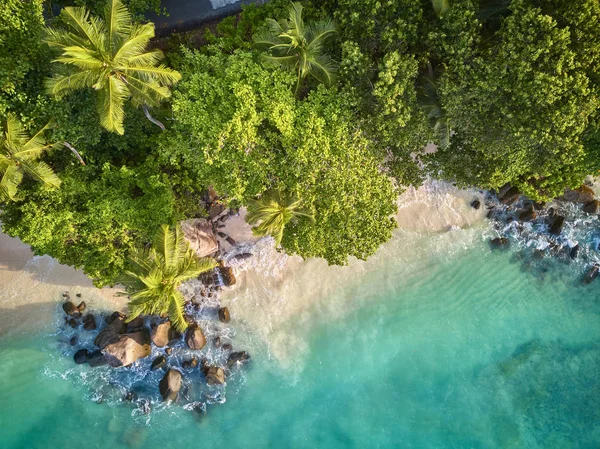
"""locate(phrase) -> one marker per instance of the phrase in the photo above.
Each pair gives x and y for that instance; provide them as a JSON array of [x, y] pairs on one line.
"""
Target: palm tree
[[291, 43], [273, 211], [156, 274], [109, 55], [19, 155]]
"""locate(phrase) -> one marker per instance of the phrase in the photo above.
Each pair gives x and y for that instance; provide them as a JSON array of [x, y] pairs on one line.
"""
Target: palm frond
[[41, 171], [15, 135], [160, 73], [60, 85], [79, 19], [295, 18], [318, 32], [118, 22], [440, 6], [9, 183], [135, 43], [110, 107], [323, 68], [175, 312]]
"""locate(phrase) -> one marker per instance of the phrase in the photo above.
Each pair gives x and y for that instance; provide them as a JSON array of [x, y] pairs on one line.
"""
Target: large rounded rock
[[224, 316], [200, 236], [128, 348], [215, 376], [162, 334], [194, 337], [170, 384], [591, 274], [499, 242], [111, 333], [71, 310]]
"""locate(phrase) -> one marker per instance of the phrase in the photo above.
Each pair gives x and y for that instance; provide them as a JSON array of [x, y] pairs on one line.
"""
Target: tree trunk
[[75, 152], [152, 119]]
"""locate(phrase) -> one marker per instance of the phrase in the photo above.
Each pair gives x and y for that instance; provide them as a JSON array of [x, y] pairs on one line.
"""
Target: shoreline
[[37, 282]]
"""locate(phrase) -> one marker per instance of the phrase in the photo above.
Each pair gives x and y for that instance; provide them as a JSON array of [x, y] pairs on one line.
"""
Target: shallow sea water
[[460, 348]]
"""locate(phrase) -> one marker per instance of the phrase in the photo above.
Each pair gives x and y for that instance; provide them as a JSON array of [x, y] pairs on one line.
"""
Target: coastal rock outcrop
[[128, 348], [199, 234], [89, 322], [111, 333], [582, 194], [194, 337], [170, 385], [71, 309], [556, 225]]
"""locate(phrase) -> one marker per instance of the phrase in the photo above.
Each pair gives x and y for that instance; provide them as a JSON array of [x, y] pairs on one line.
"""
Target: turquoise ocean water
[[474, 350]]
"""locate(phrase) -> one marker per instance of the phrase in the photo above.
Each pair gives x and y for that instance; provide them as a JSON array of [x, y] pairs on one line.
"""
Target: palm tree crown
[[156, 274], [109, 54], [291, 43], [273, 211], [19, 155]]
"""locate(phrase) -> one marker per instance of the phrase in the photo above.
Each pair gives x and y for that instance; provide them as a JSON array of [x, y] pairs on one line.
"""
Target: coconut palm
[[109, 55], [291, 43], [273, 211], [156, 274], [19, 155]]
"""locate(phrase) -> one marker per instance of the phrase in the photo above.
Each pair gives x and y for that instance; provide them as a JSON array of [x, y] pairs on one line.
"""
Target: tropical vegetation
[[110, 55], [153, 279], [19, 155], [329, 102]]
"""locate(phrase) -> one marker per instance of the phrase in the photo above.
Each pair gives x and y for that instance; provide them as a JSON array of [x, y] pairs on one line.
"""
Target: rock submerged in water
[[158, 362], [239, 357], [95, 358], [194, 338], [89, 322], [591, 207], [80, 356], [591, 274], [128, 348], [476, 204], [224, 316], [170, 385], [499, 242]]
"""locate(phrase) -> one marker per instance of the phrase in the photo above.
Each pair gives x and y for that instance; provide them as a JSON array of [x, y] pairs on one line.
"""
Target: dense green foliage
[[508, 90], [108, 54], [153, 281]]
